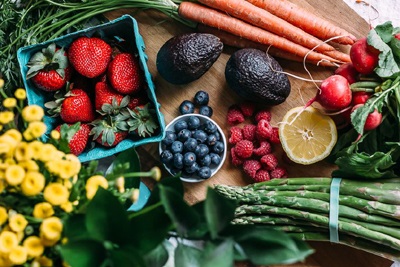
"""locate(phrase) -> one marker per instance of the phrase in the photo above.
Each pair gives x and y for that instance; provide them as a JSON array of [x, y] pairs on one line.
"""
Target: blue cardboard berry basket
[[124, 27]]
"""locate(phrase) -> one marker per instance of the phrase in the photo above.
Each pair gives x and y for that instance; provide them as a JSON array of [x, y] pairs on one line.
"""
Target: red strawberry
[[48, 69], [78, 142], [137, 101], [117, 136], [77, 107], [105, 94], [124, 74], [109, 132], [89, 56]]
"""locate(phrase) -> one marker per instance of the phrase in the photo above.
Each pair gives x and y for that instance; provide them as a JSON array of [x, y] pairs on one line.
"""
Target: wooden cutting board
[[156, 29]]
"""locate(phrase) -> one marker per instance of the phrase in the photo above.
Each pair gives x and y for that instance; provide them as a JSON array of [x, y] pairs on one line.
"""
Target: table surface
[[156, 29]]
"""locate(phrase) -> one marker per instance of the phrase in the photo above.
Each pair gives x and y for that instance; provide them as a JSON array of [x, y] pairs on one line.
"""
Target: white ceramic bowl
[[214, 169]]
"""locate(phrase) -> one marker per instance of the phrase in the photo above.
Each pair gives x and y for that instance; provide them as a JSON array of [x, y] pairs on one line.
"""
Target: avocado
[[185, 58], [256, 76]]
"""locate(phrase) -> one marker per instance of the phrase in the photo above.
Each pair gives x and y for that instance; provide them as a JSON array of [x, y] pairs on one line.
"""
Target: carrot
[[305, 20], [214, 18], [245, 11], [238, 42]]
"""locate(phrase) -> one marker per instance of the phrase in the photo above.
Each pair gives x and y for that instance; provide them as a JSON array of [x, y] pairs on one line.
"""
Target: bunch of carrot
[[287, 30]]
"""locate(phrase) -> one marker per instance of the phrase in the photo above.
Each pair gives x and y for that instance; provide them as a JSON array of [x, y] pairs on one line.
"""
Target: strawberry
[[77, 136], [108, 131], [141, 120], [89, 56], [124, 74], [104, 94], [49, 69], [77, 107]]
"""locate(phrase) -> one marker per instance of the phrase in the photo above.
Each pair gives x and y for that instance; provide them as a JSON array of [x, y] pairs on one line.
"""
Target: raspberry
[[269, 162], [244, 149], [236, 161], [261, 176], [235, 115], [251, 167], [274, 138], [263, 149], [249, 132], [235, 135], [264, 129], [278, 173], [247, 108], [263, 115]]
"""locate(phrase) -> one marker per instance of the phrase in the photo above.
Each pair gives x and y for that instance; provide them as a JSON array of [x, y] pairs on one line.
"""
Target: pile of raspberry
[[252, 144]]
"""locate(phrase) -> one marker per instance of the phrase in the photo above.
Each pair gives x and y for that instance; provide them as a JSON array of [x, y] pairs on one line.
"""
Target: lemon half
[[307, 137]]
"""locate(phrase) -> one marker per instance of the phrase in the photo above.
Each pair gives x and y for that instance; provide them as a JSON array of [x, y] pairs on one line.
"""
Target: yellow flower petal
[[33, 246], [56, 194], [43, 210], [6, 117], [8, 241], [3, 215], [20, 94], [93, 183], [51, 228], [9, 102], [18, 255], [32, 113], [33, 183], [17, 223], [15, 174]]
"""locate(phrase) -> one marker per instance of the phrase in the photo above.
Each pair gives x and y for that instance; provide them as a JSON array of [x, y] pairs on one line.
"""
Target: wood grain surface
[[156, 29]]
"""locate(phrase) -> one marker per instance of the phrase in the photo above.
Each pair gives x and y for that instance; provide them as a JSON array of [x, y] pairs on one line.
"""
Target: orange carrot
[[305, 20], [252, 14], [214, 18], [238, 42]]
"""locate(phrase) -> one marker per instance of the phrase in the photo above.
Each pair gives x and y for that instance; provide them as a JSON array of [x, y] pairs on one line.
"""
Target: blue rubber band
[[334, 210]]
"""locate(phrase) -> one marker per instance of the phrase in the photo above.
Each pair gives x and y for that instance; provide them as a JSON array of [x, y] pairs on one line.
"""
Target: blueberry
[[211, 140], [169, 138], [193, 123], [210, 127], [178, 161], [174, 171], [201, 98], [205, 161], [180, 125], [177, 147], [192, 168], [217, 135], [167, 157], [200, 136], [218, 147], [201, 150], [184, 135], [215, 159], [190, 145], [189, 158], [206, 111], [186, 107], [204, 172]]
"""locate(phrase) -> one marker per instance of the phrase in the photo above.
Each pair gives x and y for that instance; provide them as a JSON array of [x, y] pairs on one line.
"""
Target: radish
[[334, 93], [364, 56], [348, 71], [373, 120], [360, 98]]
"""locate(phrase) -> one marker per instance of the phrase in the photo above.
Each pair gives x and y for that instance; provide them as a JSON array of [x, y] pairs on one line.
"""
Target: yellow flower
[[5, 261], [20, 94], [55, 134], [1, 83], [2, 182], [47, 152], [3, 215], [51, 229], [68, 169], [33, 246], [135, 195], [23, 152], [6, 117], [8, 241], [33, 183], [120, 184], [15, 174], [6, 139], [67, 207], [93, 184], [17, 223], [5, 148], [29, 165], [56, 194], [18, 255], [35, 130], [9, 102], [32, 113], [15, 134], [43, 210], [44, 261], [36, 147]]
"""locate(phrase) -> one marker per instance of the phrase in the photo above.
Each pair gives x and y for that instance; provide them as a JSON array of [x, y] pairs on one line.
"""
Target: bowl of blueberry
[[195, 146]]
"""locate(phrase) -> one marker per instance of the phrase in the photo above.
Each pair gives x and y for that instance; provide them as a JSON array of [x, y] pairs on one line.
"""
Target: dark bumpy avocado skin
[[185, 58], [248, 72]]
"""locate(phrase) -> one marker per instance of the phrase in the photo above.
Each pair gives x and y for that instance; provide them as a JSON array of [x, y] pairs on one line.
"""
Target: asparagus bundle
[[369, 213]]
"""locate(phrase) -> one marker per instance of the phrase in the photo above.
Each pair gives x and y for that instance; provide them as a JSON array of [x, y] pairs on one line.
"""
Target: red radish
[[363, 56], [373, 120], [360, 98], [348, 71], [334, 93]]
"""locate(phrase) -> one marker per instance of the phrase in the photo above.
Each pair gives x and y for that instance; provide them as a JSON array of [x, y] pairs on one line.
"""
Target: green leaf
[[221, 255], [106, 218], [131, 162], [185, 218], [126, 256], [159, 256], [75, 227], [219, 212], [385, 31], [170, 182], [83, 253], [187, 256]]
